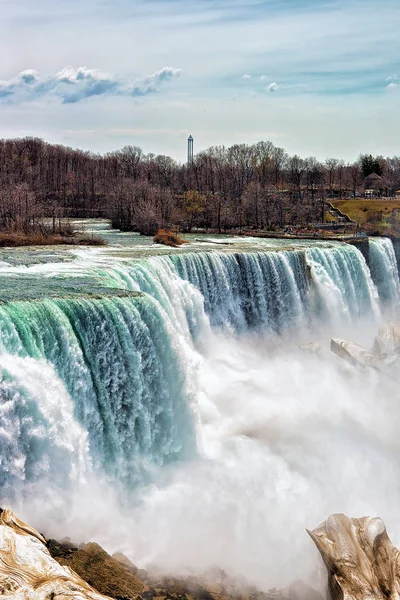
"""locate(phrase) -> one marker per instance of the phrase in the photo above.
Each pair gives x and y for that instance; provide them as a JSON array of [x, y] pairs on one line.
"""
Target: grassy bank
[[378, 216], [362, 210]]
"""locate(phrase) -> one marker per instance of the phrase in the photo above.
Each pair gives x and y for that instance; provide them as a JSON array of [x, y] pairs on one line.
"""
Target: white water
[[385, 272], [283, 438]]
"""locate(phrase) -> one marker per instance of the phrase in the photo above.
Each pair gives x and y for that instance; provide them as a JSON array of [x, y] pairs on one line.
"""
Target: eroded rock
[[387, 342], [361, 560], [27, 570], [360, 357]]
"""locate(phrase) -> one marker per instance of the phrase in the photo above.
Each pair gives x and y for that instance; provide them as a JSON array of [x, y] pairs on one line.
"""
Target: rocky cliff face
[[362, 564], [35, 568]]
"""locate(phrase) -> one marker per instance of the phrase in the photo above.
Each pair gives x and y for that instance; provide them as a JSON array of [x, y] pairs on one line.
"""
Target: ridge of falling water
[[343, 286], [125, 367], [384, 271], [115, 362]]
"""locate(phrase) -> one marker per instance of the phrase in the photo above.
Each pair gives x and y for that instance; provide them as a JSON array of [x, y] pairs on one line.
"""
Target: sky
[[316, 77]]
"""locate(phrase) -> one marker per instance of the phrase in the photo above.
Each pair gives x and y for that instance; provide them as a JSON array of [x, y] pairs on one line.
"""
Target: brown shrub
[[45, 238], [169, 238]]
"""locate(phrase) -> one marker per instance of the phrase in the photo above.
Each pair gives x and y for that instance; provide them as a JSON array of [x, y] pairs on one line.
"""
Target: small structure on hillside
[[375, 186]]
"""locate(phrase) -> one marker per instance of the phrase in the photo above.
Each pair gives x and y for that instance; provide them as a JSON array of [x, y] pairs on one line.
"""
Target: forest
[[244, 186]]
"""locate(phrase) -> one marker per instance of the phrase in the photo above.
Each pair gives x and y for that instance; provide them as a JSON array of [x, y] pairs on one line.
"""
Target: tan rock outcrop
[[27, 570], [361, 560], [387, 342]]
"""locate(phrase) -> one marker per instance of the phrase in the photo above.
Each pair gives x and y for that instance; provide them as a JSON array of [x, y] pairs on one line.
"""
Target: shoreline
[[18, 239]]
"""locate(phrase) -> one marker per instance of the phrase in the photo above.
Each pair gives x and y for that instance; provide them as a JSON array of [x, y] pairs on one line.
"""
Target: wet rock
[[360, 357], [61, 549], [313, 348], [28, 571], [33, 568], [142, 574], [124, 560], [299, 590], [101, 570], [361, 560], [387, 342]]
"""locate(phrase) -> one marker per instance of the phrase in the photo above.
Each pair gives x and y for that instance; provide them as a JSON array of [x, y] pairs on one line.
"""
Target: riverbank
[[17, 238]]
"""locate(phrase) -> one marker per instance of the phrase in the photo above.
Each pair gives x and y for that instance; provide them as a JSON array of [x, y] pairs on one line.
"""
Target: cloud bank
[[73, 85]]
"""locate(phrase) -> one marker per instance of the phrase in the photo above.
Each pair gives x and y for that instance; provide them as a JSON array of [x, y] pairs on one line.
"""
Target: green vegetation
[[371, 164], [380, 216]]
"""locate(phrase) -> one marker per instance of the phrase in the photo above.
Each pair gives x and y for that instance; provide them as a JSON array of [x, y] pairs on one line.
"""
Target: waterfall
[[250, 290], [116, 364], [343, 285], [39, 435], [384, 271], [121, 359], [282, 290]]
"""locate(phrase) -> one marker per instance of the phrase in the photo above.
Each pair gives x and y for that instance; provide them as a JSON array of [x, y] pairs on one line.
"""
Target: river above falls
[[51, 271]]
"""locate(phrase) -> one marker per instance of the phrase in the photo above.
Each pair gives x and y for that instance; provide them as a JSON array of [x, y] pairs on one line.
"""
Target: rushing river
[[156, 400]]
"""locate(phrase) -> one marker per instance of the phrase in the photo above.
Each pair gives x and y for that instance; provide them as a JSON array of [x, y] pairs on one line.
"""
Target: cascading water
[[121, 372], [157, 364], [344, 287], [125, 362], [281, 290], [384, 270], [252, 290]]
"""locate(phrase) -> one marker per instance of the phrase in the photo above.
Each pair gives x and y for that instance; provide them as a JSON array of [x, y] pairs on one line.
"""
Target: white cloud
[[29, 76], [392, 85], [273, 87], [246, 76], [72, 85], [320, 53]]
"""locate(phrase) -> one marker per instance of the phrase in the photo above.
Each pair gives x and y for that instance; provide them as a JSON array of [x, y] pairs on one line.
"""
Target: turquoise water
[[117, 332]]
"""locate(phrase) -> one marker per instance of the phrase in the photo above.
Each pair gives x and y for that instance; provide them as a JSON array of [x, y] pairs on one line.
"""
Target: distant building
[[375, 186], [190, 150]]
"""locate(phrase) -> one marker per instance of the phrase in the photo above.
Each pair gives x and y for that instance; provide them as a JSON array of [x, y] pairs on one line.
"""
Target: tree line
[[243, 186]]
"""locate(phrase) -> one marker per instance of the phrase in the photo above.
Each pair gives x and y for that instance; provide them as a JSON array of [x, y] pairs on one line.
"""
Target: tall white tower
[[190, 150]]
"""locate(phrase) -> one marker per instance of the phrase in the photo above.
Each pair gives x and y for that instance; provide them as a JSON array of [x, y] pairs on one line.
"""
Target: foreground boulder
[[361, 560], [387, 342], [360, 357], [28, 572]]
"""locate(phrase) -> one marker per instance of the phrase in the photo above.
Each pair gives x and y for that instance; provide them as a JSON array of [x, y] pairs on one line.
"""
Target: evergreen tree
[[370, 164]]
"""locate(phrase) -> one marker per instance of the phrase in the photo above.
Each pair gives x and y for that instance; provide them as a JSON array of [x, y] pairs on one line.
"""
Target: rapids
[[157, 401]]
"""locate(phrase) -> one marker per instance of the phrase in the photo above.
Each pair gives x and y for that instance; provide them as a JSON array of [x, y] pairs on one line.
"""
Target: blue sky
[[318, 77]]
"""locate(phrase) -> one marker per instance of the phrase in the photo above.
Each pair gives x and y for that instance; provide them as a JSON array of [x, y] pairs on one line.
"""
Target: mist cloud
[[72, 85]]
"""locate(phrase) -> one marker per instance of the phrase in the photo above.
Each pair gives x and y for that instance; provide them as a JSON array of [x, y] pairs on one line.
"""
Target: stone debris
[[35, 568], [361, 560], [383, 357]]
